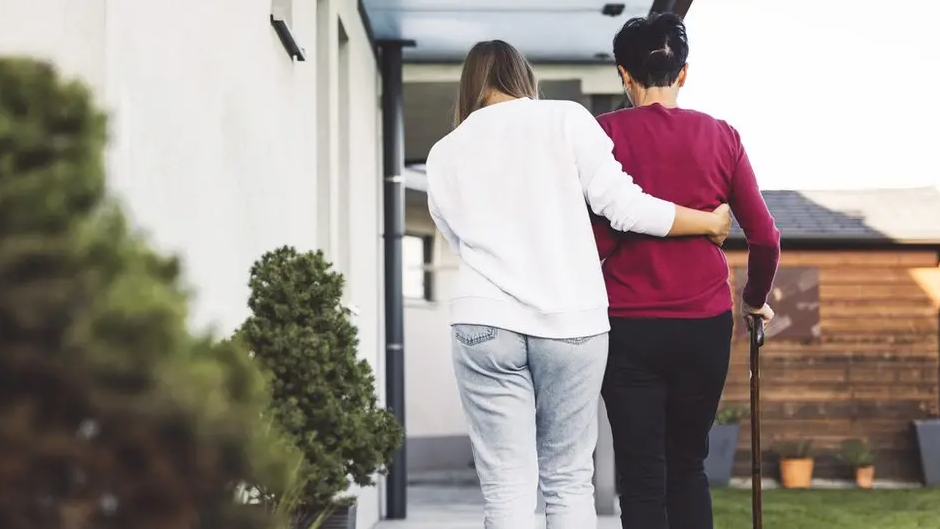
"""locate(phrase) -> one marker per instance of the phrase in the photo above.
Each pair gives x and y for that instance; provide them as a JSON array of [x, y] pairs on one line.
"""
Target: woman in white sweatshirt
[[507, 189]]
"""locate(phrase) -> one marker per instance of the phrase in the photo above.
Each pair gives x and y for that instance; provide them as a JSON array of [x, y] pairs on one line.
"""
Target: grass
[[831, 509]]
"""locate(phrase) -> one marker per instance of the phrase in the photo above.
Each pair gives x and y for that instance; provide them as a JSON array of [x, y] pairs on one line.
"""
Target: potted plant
[[323, 394], [796, 463], [927, 432], [723, 445], [857, 454]]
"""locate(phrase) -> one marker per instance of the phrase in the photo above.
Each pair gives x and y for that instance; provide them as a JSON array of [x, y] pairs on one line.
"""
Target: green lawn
[[831, 509]]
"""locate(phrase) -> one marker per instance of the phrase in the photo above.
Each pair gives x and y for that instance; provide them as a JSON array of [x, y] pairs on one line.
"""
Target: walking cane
[[756, 325]]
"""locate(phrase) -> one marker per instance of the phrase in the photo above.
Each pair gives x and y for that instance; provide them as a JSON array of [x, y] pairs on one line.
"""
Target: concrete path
[[454, 501], [460, 521], [457, 507], [442, 520]]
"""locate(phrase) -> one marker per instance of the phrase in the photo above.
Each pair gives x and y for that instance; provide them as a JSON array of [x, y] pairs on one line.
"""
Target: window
[[416, 260]]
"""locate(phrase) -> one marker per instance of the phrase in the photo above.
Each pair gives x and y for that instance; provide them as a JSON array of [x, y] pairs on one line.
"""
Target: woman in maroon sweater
[[670, 299]]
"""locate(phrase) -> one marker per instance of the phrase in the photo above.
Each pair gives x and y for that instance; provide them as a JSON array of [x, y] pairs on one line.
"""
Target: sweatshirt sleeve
[[431, 168], [610, 191], [763, 238], [443, 226]]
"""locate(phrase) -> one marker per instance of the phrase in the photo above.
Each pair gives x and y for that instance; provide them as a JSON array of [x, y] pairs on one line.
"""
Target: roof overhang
[[546, 31]]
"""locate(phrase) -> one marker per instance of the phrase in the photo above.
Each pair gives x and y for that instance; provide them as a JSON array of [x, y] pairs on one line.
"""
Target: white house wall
[[216, 134], [53, 29]]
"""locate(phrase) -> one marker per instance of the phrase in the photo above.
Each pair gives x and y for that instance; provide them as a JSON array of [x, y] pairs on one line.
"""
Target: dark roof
[[870, 216]]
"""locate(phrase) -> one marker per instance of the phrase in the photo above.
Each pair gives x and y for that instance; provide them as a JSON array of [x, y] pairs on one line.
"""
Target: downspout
[[393, 186]]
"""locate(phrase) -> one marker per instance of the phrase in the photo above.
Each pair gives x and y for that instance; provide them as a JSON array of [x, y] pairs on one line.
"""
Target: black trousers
[[662, 387]]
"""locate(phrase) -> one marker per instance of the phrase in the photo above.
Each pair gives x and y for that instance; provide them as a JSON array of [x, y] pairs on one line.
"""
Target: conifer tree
[[112, 414], [323, 392]]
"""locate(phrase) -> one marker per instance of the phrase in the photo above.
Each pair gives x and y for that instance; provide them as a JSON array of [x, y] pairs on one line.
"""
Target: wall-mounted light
[[612, 10], [290, 43]]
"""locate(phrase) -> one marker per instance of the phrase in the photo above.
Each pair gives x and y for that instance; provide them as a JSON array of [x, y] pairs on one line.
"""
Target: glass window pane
[[413, 275]]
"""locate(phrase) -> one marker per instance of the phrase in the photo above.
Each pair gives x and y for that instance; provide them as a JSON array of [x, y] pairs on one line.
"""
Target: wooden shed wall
[[873, 370]]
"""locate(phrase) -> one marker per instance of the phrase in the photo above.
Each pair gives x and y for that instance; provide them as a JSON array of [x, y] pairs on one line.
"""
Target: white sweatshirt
[[507, 189]]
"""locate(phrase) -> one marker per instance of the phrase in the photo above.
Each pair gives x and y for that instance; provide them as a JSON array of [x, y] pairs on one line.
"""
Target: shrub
[[112, 415], [731, 415], [324, 396], [856, 453], [802, 449]]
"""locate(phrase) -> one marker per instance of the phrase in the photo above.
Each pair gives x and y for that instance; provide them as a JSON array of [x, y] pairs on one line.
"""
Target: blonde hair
[[492, 65]]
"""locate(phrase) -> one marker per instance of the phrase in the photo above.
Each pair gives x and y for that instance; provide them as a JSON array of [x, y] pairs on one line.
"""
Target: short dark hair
[[652, 50]]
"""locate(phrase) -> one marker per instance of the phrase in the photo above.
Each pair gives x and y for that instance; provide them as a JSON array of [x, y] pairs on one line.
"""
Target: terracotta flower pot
[[796, 473], [864, 477]]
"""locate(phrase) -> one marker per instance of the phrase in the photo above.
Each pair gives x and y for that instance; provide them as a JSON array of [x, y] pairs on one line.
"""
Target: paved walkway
[[457, 507]]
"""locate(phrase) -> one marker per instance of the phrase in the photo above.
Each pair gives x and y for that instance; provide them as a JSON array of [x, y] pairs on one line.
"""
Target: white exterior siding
[[70, 33], [223, 147]]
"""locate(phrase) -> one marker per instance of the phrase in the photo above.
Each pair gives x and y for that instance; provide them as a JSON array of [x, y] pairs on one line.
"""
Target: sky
[[827, 94]]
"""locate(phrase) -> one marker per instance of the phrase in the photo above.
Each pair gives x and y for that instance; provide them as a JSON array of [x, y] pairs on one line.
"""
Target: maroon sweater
[[696, 161]]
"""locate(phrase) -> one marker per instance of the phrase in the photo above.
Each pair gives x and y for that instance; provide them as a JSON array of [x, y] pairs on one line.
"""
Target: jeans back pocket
[[471, 335], [579, 340]]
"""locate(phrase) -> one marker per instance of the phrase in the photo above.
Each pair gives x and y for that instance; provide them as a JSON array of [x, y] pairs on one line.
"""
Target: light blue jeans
[[531, 404]]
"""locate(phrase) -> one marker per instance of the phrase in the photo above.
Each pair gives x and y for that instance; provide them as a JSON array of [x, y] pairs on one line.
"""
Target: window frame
[[427, 246]]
